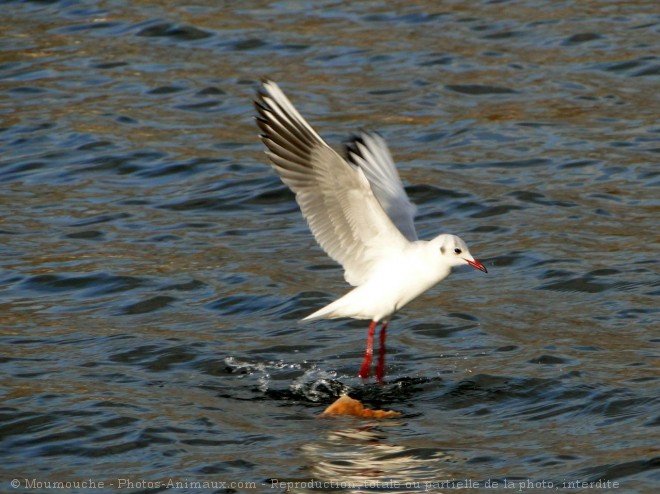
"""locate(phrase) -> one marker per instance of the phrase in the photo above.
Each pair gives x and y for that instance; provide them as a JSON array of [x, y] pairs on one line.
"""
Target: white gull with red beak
[[360, 215]]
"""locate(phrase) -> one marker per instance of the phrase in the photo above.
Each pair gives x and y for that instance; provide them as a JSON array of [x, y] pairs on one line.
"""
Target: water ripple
[[154, 269]]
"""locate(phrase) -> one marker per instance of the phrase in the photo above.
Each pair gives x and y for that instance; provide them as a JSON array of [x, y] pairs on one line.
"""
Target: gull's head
[[455, 252]]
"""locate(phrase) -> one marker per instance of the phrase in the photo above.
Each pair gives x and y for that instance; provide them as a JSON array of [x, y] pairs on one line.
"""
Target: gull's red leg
[[380, 368], [365, 370]]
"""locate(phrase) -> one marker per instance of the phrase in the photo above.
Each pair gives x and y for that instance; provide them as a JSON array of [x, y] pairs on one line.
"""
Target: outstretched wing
[[334, 195], [369, 151]]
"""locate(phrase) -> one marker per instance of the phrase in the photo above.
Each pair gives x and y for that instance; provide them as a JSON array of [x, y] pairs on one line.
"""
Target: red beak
[[476, 264]]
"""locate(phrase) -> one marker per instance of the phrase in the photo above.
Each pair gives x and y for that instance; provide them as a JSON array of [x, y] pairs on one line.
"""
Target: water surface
[[153, 269]]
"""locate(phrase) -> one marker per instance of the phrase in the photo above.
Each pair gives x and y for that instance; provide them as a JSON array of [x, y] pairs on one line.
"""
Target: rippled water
[[153, 268]]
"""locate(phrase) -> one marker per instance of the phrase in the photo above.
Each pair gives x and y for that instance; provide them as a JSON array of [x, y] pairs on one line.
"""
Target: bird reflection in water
[[365, 457]]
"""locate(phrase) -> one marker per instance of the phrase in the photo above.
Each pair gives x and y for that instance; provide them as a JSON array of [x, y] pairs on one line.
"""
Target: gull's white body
[[399, 279]]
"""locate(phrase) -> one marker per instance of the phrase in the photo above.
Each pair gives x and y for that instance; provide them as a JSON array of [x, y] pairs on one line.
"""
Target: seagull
[[359, 213]]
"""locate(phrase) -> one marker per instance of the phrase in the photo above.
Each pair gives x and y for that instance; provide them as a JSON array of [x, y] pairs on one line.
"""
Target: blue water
[[153, 268]]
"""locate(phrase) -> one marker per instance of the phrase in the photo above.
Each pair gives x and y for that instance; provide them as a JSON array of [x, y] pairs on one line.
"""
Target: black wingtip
[[360, 135], [262, 92], [351, 146], [260, 104]]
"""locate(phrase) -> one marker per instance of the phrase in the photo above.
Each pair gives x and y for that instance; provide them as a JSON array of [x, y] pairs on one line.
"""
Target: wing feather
[[369, 151], [335, 196]]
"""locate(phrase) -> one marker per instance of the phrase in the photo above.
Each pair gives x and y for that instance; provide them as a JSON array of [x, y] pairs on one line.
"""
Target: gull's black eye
[[457, 250]]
